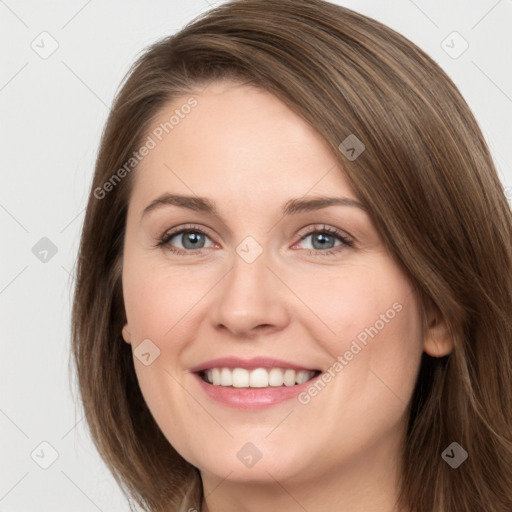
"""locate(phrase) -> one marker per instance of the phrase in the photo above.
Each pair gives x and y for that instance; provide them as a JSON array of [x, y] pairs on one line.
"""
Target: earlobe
[[437, 340], [126, 334]]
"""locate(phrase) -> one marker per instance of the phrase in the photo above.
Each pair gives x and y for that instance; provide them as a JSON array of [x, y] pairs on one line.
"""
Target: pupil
[[192, 238], [323, 239]]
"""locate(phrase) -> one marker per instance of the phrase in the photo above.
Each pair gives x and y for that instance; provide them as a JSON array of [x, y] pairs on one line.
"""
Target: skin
[[247, 152]]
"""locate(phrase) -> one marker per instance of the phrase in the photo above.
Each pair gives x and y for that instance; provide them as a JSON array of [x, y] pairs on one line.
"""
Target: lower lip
[[252, 398]]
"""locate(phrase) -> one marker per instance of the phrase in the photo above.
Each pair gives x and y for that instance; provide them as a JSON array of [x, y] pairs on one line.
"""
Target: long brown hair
[[426, 177]]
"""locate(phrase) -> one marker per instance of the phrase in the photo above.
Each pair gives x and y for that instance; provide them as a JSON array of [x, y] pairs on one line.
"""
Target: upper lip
[[249, 364]]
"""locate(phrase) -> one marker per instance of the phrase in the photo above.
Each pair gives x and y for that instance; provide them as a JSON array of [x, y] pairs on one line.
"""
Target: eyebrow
[[291, 207]]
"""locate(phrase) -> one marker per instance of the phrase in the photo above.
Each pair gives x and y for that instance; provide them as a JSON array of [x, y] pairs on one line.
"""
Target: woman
[[294, 285]]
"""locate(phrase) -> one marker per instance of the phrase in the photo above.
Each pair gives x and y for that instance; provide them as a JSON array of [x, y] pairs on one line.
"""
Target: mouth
[[252, 384], [256, 378]]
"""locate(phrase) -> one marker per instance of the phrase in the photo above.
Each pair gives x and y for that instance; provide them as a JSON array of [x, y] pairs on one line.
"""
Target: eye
[[323, 240], [191, 238]]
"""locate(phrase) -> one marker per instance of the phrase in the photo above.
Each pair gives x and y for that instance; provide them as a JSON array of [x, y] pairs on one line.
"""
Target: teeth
[[303, 376], [240, 378], [257, 378], [225, 377], [289, 377], [275, 377]]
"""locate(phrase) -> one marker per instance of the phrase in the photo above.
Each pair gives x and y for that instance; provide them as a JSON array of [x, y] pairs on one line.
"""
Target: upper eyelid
[[319, 228], [177, 231]]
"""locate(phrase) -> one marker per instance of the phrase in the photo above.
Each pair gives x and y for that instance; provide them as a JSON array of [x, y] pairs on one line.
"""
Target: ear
[[126, 334], [437, 341]]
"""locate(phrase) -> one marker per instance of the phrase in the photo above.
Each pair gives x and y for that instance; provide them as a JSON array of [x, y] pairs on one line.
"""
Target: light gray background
[[52, 113]]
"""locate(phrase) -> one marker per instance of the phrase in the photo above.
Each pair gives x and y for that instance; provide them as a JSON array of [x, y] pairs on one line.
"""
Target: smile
[[257, 378]]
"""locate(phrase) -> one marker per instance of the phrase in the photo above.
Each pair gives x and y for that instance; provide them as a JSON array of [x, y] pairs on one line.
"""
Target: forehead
[[236, 140]]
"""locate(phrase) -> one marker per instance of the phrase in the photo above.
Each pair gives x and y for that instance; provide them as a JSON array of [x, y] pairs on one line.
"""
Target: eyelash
[[165, 239]]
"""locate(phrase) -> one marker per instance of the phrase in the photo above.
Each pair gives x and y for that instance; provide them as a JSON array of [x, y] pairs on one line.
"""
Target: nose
[[250, 300]]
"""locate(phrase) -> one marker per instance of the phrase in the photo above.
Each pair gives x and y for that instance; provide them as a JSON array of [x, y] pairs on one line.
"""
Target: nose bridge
[[250, 296]]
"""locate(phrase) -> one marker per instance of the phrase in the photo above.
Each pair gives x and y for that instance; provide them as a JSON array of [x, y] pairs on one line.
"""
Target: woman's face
[[268, 288]]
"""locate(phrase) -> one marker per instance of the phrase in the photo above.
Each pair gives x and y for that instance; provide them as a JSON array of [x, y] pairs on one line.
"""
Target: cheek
[[355, 301], [369, 317], [162, 305], [176, 412], [159, 306], [159, 299]]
